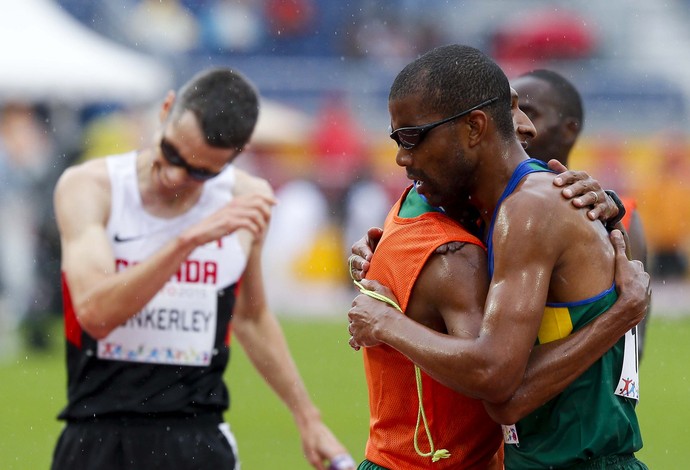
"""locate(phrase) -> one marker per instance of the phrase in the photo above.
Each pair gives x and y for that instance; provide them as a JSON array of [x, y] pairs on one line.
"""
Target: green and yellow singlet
[[587, 420]]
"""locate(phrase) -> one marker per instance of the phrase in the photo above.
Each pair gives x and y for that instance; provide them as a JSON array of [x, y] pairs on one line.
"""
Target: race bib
[[177, 327], [629, 383], [510, 435]]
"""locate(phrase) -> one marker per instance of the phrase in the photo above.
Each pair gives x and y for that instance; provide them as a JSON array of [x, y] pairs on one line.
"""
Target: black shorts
[[119, 444]]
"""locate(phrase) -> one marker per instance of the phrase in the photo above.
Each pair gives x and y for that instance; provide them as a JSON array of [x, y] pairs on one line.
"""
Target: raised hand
[[250, 212]]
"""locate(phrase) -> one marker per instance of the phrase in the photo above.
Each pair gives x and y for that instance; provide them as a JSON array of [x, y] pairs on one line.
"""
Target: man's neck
[[493, 176]]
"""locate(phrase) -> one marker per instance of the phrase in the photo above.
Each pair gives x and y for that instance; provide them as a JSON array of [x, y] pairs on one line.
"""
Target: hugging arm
[[553, 366]]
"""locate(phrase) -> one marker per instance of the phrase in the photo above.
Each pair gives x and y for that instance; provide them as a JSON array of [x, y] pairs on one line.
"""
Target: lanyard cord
[[421, 416]]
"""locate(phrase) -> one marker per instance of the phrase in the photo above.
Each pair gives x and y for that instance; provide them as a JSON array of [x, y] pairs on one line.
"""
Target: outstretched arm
[[261, 337], [554, 366]]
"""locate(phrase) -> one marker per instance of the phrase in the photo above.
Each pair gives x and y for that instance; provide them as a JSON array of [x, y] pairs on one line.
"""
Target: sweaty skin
[[479, 366], [551, 367], [578, 186]]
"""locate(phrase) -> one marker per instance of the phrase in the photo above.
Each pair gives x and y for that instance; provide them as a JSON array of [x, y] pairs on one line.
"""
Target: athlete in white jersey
[[161, 255], [179, 325]]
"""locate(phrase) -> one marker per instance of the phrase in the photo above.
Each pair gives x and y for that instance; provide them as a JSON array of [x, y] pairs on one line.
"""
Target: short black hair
[[565, 93], [455, 77], [224, 102]]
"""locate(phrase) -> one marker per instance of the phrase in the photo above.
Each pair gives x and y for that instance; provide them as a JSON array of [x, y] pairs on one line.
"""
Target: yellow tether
[[421, 416]]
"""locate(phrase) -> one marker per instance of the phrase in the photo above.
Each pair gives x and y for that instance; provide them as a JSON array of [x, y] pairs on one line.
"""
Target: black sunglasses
[[410, 137], [172, 156]]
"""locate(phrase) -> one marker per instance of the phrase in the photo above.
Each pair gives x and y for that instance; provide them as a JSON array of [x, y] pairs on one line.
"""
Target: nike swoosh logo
[[118, 239]]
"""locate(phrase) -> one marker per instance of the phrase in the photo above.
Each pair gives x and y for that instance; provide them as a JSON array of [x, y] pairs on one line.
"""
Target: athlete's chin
[[422, 189], [166, 185], [430, 197]]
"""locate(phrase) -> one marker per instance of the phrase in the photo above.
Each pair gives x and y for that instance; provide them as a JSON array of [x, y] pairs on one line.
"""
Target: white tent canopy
[[47, 55], [279, 124]]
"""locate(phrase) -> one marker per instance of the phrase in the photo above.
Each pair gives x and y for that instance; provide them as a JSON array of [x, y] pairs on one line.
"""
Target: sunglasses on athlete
[[172, 156], [409, 137]]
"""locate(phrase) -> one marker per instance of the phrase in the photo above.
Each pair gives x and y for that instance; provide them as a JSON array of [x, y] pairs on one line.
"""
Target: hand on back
[[584, 191], [632, 282]]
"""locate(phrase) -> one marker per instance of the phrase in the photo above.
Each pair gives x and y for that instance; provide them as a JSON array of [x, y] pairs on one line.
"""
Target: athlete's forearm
[[462, 362], [553, 366], [102, 304], [267, 349]]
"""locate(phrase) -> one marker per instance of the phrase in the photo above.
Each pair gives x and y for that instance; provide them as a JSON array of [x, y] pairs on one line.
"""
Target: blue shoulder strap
[[524, 168]]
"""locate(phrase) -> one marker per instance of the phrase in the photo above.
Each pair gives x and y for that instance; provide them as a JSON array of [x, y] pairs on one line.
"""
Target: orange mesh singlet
[[630, 206], [457, 423]]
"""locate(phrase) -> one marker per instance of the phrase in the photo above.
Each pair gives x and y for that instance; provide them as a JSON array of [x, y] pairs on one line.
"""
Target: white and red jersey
[[170, 357]]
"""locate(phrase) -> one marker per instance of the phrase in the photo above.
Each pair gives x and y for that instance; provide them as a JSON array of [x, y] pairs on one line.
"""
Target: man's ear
[[166, 107], [477, 123], [571, 129]]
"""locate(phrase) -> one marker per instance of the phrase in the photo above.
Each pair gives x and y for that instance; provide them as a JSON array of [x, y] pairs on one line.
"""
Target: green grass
[[334, 376], [664, 408], [32, 387]]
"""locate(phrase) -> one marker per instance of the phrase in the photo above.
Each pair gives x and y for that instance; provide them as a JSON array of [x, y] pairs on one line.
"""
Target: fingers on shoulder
[[557, 166]]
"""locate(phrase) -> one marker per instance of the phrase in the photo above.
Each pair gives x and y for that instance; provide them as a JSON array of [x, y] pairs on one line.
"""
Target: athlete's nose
[[524, 126], [403, 158]]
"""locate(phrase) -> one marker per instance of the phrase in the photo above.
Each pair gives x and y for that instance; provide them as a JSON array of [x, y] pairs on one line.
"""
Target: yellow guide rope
[[435, 455]]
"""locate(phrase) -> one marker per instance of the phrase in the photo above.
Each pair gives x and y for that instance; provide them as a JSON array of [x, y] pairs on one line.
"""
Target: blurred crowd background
[[82, 79]]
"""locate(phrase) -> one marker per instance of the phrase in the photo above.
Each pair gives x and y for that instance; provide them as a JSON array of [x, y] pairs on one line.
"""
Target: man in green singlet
[[541, 252]]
